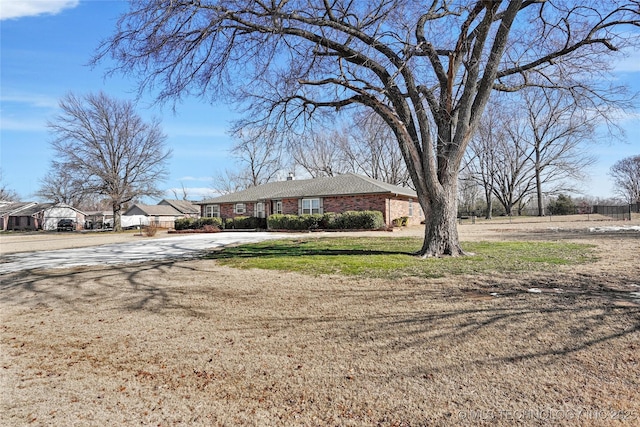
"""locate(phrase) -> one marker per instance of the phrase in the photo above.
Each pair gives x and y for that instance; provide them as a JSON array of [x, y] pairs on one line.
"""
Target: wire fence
[[617, 212]]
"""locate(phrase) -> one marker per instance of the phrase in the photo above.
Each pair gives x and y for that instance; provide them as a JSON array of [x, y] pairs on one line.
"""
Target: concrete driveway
[[185, 246]]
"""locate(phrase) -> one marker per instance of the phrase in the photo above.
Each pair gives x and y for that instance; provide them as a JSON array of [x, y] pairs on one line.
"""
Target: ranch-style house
[[338, 194]]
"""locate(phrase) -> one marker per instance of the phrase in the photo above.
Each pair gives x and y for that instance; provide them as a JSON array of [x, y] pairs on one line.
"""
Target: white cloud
[[33, 100], [630, 63], [193, 193], [14, 9], [196, 178], [9, 123]]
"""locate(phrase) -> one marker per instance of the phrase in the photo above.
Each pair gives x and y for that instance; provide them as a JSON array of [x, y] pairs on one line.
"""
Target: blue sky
[[45, 46], [43, 57]]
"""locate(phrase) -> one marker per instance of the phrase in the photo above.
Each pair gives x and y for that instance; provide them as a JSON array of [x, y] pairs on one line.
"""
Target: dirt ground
[[193, 343]]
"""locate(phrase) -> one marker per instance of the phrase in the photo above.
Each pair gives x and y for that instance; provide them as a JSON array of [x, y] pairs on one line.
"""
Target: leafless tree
[[7, 194], [184, 193], [258, 157], [513, 174], [536, 142], [363, 144], [60, 185], [105, 147], [482, 156], [320, 153], [626, 177], [427, 70], [372, 150], [558, 131], [468, 192]]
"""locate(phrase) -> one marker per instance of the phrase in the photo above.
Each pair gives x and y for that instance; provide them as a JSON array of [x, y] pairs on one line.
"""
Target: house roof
[[155, 210], [14, 207], [341, 185], [39, 207], [184, 206], [31, 210]]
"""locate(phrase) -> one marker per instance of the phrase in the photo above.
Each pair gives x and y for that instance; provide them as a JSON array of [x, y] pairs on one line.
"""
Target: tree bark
[[488, 194], [117, 216], [441, 230], [541, 211]]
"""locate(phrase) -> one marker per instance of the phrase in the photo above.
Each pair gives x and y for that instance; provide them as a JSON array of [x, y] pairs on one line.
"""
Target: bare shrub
[[150, 230]]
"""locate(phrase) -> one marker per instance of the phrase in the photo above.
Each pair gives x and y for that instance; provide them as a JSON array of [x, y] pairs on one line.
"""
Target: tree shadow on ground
[[486, 321], [124, 286]]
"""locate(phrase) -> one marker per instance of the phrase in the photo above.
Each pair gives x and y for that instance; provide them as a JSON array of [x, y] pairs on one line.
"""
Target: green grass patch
[[391, 257]]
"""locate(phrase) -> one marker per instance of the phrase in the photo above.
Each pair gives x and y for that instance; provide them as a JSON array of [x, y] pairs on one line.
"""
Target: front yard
[[547, 342]]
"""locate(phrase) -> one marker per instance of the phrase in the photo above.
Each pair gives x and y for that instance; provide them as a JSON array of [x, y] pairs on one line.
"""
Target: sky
[[44, 56], [45, 46]]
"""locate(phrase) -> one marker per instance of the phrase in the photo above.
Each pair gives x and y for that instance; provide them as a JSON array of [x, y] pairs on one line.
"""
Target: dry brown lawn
[[193, 343]]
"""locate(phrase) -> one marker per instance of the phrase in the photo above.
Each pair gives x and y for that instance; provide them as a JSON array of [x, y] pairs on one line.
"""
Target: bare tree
[[427, 70], [60, 185], [626, 177], [558, 130], [535, 142], [105, 147], [183, 196], [7, 194], [258, 157], [320, 153], [373, 150], [468, 193], [513, 174], [363, 144], [481, 157]]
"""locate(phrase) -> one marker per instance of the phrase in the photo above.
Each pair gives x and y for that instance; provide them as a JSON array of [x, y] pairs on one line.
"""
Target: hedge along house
[[338, 194]]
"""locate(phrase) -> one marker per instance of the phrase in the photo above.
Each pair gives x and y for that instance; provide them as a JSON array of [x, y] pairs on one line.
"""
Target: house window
[[310, 206], [410, 207], [278, 207], [212, 211], [259, 211], [240, 208]]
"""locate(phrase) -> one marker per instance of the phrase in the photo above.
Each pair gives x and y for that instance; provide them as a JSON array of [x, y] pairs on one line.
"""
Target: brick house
[[348, 192], [38, 216], [10, 215]]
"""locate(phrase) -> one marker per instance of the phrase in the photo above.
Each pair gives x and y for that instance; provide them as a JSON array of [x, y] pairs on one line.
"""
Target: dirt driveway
[[193, 343]]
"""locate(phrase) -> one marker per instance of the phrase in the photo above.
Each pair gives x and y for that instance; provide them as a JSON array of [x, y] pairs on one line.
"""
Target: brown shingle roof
[[341, 185], [154, 210], [184, 206]]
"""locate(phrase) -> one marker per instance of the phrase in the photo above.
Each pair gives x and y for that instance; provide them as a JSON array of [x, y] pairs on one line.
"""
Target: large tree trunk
[[117, 216], [441, 228]]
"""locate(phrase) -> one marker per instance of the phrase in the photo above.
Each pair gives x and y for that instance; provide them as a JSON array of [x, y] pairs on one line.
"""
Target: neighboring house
[[42, 216], [9, 218], [348, 192], [50, 215], [185, 207], [163, 216]]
